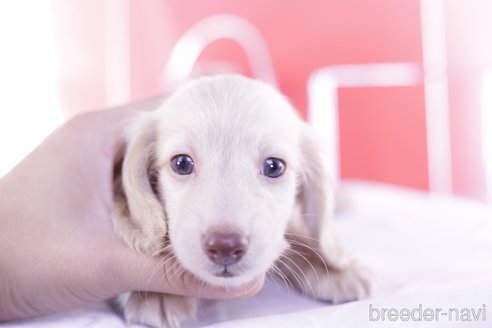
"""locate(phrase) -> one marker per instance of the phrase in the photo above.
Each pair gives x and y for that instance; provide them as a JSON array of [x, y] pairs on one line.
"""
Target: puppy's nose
[[225, 248]]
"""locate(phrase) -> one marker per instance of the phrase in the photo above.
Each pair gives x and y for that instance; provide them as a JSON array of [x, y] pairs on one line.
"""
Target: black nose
[[225, 248]]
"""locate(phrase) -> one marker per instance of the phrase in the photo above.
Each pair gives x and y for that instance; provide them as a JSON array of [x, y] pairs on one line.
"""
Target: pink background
[[382, 131]]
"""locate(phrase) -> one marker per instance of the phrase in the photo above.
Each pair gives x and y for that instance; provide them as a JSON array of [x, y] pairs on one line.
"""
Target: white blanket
[[432, 256]]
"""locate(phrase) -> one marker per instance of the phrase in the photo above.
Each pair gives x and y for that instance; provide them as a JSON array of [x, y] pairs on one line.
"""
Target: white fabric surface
[[430, 250]]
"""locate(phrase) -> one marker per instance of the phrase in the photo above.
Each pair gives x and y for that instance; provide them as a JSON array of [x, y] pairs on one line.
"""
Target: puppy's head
[[217, 171]]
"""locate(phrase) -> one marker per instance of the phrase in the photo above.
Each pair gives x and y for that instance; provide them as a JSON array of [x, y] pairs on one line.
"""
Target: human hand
[[57, 246]]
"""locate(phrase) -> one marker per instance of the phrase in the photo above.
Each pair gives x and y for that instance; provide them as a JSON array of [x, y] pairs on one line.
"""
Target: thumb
[[166, 275]]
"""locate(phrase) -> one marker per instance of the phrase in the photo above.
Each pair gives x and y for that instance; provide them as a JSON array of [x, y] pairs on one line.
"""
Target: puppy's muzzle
[[224, 249]]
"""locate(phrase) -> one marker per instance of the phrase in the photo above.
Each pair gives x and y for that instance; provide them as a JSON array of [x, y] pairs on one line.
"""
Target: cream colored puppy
[[228, 179]]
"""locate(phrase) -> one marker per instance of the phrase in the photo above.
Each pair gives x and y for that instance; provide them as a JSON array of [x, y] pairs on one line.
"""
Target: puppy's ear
[[316, 196], [138, 213]]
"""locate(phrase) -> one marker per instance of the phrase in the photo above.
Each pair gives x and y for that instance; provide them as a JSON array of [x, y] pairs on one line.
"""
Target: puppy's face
[[228, 161]]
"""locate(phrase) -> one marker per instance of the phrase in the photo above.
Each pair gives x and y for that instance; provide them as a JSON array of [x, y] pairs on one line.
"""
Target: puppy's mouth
[[225, 273]]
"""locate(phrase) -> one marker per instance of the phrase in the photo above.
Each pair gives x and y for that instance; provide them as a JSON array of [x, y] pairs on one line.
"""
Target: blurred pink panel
[[303, 36], [80, 26], [469, 48], [154, 30], [382, 131], [392, 143]]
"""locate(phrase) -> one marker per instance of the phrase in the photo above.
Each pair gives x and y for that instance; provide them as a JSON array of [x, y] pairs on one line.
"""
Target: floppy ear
[[317, 200], [138, 213]]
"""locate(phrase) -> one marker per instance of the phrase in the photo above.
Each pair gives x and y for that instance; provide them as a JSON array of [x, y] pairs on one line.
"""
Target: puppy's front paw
[[351, 283], [317, 278], [159, 310]]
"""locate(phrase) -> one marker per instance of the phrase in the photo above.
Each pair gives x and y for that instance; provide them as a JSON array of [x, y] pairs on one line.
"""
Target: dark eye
[[273, 167], [182, 164]]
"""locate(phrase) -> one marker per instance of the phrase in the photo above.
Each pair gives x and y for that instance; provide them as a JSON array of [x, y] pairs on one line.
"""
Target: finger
[[122, 116], [105, 129], [167, 275]]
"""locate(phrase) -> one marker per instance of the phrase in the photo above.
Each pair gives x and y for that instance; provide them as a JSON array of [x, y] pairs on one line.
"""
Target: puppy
[[228, 179]]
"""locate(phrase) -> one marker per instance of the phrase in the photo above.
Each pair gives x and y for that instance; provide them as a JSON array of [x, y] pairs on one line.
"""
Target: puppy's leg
[[159, 310], [337, 277], [316, 261]]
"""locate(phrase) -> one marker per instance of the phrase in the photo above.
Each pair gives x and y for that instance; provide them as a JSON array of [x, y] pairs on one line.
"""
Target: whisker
[[177, 271], [271, 277], [302, 272], [276, 270], [140, 277], [159, 265], [310, 215], [302, 236], [143, 230], [296, 277], [312, 267], [312, 249]]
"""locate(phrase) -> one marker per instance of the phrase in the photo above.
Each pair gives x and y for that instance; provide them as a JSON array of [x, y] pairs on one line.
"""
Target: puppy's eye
[[182, 164], [273, 167]]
